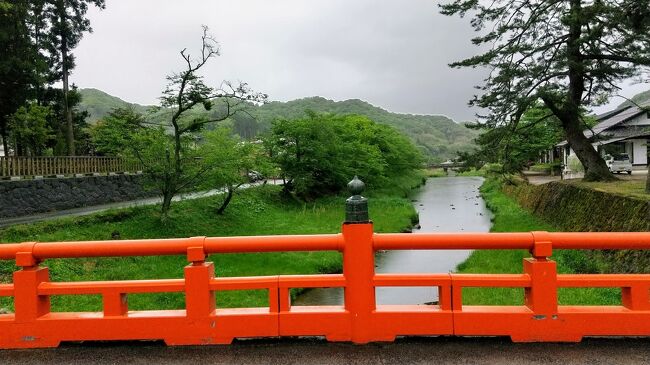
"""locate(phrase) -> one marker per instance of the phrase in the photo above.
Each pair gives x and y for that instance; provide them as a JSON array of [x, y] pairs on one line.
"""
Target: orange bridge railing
[[359, 319]]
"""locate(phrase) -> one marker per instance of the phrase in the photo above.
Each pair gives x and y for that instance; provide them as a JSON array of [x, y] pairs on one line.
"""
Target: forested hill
[[438, 136], [98, 104]]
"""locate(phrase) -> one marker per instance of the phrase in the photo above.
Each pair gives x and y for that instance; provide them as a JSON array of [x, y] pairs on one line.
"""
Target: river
[[444, 204]]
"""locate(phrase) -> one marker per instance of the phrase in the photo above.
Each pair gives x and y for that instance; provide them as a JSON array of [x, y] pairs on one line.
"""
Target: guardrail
[[64, 165], [359, 319]]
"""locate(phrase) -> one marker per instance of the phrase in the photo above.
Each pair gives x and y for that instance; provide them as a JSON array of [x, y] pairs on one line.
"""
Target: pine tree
[[571, 54]]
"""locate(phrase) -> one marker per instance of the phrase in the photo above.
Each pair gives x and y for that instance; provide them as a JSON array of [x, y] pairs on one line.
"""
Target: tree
[[245, 125], [514, 147], [18, 63], [29, 130], [112, 135], [231, 160], [317, 155], [68, 22], [54, 98], [569, 54], [171, 151]]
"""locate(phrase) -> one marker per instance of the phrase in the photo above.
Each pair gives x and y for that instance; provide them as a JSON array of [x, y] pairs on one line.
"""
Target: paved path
[[407, 351], [100, 208]]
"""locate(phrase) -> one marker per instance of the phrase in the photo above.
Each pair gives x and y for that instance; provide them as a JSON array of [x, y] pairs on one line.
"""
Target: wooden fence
[[64, 165]]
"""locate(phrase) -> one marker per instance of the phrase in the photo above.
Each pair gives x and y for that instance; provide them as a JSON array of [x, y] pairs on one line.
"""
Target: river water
[[445, 204]]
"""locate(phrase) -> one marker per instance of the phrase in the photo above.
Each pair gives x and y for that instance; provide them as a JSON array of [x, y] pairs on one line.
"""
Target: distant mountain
[[438, 136], [98, 104], [640, 99]]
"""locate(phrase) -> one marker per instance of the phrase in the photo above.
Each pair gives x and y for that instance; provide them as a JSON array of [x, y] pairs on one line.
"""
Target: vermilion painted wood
[[359, 320], [6, 290]]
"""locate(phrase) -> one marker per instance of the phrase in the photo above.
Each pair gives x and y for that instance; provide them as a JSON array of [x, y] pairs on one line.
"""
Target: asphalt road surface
[[438, 350]]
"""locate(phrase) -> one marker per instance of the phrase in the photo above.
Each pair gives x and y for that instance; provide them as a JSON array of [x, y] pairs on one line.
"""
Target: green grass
[[510, 217], [435, 172], [472, 172], [258, 211], [628, 188]]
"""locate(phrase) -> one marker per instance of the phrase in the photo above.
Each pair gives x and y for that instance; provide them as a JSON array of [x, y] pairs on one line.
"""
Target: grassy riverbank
[[510, 217], [257, 211]]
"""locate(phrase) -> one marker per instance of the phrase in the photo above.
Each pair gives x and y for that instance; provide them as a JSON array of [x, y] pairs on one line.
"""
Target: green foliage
[[257, 211], [318, 155], [438, 137], [100, 105], [20, 62], [113, 135], [230, 161], [568, 54], [516, 147], [29, 129]]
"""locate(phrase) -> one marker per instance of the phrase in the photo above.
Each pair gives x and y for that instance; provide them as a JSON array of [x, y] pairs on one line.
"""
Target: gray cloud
[[391, 53]]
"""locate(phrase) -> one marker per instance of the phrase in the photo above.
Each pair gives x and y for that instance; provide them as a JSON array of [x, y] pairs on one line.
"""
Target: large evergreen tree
[[67, 21], [570, 54], [18, 63]]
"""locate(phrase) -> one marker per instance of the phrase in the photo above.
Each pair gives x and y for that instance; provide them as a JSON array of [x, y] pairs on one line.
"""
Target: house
[[624, 130]]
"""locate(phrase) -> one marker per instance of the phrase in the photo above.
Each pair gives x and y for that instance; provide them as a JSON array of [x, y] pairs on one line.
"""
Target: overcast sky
[[391, 53]]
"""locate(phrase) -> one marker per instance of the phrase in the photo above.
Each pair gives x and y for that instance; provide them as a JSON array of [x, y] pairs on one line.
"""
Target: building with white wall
[[625, 130]]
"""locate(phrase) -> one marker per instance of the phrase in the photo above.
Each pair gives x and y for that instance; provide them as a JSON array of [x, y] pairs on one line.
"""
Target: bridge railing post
[[358, 264], [28, 304], [541, 296], [200, 301]]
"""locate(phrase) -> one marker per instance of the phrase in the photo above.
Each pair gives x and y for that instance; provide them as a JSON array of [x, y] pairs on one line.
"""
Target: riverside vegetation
[[509, 216], [257, 211]]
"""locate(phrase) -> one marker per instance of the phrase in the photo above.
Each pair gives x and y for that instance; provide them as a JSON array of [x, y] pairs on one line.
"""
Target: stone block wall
[[25, 197]]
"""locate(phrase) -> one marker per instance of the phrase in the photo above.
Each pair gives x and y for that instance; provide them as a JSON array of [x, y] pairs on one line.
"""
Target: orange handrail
[[360, 319], [174, 246]]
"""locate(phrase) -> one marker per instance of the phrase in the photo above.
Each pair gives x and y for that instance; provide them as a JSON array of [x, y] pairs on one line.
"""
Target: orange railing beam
[[121, 286], [320, 242], [452, 241], [601, 240], [6, 290], [504, 241], [176, 246]]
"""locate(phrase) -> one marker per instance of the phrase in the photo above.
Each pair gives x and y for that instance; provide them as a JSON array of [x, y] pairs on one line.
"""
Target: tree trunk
[[226, 201], [69, 127], [69, 135], [166, 204], [570, 114], [647, 179], [595, 167], [4, 135]]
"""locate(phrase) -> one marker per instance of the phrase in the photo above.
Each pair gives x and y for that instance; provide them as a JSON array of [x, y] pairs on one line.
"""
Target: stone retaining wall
[[25, 197]]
